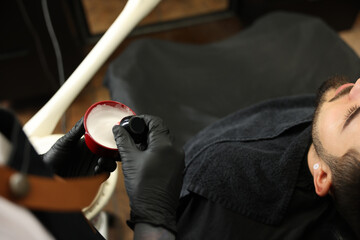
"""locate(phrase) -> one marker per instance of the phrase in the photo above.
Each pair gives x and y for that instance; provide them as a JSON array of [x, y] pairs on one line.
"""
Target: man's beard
[[331, 83]]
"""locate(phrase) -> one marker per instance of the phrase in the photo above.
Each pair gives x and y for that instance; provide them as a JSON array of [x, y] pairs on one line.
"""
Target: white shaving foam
[[100, 122]]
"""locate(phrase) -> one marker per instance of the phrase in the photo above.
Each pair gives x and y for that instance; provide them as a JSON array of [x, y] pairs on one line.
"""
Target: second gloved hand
[[70, 157], [153, 177]]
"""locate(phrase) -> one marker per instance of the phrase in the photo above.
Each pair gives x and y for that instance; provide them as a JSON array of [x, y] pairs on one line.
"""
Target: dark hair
[[333, 82], [345, 188]]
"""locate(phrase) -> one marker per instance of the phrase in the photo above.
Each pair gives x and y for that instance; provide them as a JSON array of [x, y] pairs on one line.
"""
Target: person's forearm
[[145, 231]]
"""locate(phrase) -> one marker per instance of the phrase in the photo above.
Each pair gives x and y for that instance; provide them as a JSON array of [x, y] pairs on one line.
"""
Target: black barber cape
[[247, 178], [69, 225]]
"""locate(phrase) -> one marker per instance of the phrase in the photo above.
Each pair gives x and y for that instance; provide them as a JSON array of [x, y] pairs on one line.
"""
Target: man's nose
[[355, 91]]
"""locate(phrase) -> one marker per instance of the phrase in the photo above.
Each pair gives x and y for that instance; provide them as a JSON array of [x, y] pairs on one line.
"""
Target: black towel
[[249, 161]]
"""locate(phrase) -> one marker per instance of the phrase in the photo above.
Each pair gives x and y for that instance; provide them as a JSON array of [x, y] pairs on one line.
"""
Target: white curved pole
[[44, 121]]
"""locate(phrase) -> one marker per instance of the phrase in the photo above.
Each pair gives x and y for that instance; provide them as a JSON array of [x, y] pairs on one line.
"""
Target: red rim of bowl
[[110, 103]]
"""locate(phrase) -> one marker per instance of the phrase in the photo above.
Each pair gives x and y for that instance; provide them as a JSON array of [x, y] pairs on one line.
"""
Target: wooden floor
[[100, 14]]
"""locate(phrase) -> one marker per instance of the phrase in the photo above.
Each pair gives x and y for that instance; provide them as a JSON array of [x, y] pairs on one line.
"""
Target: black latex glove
[[153, 177], [70, 157]]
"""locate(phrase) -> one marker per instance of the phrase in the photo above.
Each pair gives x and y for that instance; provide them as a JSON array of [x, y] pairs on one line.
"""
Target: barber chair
[[192, 86]]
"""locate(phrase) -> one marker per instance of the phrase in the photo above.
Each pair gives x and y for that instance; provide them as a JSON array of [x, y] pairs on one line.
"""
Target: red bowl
[[94, 146]]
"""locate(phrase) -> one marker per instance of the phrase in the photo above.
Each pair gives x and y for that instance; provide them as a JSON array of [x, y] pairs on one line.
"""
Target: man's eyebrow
[[351, 117], [342, 93]]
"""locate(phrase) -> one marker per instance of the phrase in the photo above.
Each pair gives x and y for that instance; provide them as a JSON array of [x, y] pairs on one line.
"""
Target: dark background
[[27, 61]]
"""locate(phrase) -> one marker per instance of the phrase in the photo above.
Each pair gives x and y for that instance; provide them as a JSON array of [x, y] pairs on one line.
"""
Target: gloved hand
[[70, 157], [153, 177]]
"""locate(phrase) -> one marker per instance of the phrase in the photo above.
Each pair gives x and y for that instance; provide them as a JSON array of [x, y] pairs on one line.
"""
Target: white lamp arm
[[44, 121]]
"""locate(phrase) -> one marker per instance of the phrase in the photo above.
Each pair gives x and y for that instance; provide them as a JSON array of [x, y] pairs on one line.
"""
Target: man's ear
[[322, 180]]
